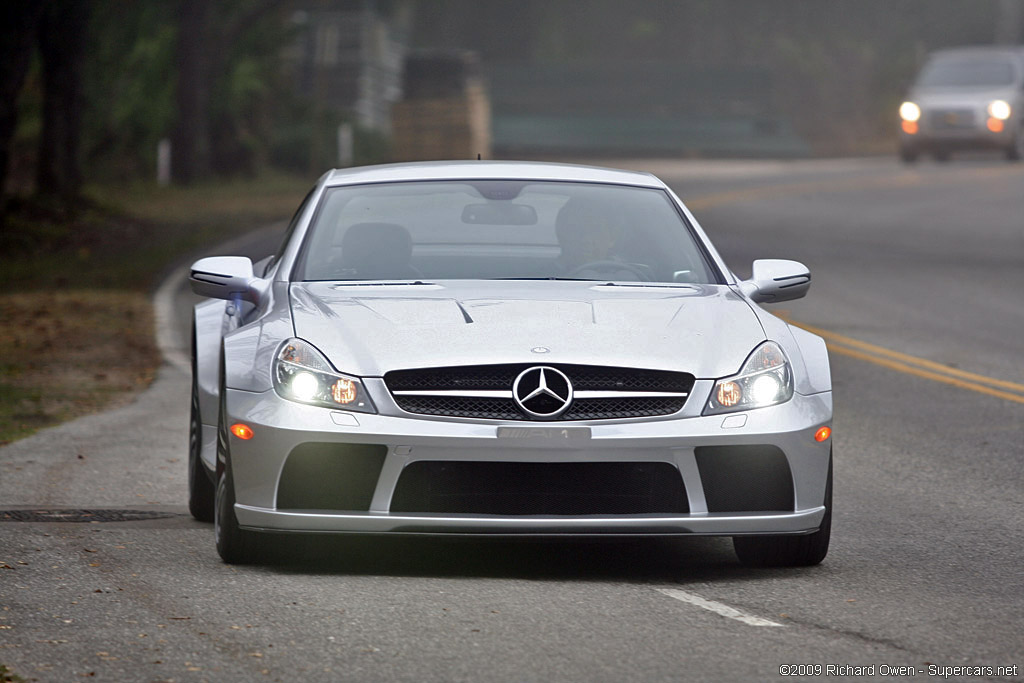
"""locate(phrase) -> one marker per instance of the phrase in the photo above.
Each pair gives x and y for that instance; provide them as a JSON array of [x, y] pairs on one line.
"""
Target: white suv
[[965, 98]]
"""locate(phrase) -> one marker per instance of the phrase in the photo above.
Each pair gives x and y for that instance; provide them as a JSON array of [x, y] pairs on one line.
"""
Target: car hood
[[928, 98], [368, 329]]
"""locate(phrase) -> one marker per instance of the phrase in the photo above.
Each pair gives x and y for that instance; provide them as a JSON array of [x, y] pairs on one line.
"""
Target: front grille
[[518, 488], [950, 119], [630, 385], [461, 406]]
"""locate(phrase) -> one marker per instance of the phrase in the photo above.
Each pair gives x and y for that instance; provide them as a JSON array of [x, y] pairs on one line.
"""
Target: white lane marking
[[163, 308], [717, 607]]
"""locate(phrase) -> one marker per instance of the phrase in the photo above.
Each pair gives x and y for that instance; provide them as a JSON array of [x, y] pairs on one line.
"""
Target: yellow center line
[[910, 370], [854, 348], [906, 358]]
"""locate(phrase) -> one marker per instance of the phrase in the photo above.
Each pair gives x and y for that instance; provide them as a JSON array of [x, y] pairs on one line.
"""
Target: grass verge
[[8, 676], [76, 324]]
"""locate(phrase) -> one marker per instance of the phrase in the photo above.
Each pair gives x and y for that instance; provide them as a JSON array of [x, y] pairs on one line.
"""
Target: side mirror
[[226, 277], [775, 280]]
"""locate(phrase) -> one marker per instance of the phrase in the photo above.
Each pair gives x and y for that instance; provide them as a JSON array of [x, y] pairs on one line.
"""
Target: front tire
[[789, 551], [200, 488], [908, 155], [1015, 152], [234, 544]]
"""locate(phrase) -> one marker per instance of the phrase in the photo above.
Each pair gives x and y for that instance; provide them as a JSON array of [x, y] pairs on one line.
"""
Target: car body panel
[[409, 439], [368, 331]]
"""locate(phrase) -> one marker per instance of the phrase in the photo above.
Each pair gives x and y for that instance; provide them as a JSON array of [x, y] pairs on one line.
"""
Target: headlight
[[764, 380], [998, 109], [301, 373], [910, 111]]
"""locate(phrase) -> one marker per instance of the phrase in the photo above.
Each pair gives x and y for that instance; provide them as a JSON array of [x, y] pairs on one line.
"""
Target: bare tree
[[1010, 22], [62, 33], [19, 21]]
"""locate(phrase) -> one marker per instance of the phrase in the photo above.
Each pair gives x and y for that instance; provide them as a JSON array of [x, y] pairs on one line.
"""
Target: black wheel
[[941, 155], [789, 551], [1015, 152], [234, 544], [200, 487], [908, 155]]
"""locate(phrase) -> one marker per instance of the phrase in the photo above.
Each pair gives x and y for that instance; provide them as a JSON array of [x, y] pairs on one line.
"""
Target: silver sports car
[[497, 349]]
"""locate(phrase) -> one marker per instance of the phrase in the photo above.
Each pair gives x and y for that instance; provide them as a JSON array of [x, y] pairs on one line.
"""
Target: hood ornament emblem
[[542, 392]]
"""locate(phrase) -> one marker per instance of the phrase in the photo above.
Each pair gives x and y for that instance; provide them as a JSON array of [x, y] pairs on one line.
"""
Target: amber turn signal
[[823, 434], [242, 431]]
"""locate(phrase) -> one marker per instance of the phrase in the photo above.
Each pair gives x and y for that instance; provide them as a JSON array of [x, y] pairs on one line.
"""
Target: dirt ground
[[69, 353]]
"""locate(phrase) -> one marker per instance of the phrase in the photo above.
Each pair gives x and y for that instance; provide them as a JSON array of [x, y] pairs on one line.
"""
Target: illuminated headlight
[[999, 109], [301, 373], [764, 380], [910, 111]]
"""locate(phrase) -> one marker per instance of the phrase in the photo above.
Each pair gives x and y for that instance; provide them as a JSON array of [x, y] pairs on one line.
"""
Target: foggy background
[[238, 86]]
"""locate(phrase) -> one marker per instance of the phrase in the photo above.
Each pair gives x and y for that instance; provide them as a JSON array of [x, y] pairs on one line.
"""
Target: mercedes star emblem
[[542, 392]]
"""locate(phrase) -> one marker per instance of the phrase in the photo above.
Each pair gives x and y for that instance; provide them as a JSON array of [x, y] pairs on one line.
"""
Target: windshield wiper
[[380, 283], [550, 277]]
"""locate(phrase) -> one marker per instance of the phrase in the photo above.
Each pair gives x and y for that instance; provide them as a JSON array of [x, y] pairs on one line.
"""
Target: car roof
[[981, 51], [488, 170]]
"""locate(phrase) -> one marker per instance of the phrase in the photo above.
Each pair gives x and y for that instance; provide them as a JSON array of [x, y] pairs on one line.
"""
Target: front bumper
[[971, 136], [281, 426]]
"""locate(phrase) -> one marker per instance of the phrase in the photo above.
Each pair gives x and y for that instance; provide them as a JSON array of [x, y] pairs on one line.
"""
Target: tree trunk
[[18, 23], [190, 140], [62, 34]]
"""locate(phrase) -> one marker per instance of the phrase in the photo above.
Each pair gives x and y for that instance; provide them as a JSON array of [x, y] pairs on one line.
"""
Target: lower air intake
[[745, 478], [510, 488], [330, 476]]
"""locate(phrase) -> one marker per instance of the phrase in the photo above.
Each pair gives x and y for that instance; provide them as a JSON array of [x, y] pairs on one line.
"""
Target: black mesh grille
[[461, 406], [501, 377], [605, 408], [516, 488]]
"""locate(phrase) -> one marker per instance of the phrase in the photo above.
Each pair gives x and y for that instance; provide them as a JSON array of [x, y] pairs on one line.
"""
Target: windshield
[[967, 72], [501, 229]]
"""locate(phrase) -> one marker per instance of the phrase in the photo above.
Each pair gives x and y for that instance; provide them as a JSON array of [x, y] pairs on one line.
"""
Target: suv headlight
[[910, 112], [765, 379], [301, 373], [999, 109]]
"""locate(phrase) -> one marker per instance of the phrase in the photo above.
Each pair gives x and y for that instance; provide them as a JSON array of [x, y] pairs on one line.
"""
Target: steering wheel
[[610, 267]]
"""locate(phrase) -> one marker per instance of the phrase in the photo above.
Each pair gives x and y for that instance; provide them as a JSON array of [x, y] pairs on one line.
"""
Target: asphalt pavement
[[917, 285]]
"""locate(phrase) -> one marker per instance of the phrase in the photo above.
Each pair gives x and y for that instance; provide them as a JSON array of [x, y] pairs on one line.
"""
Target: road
[[918, 284]]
